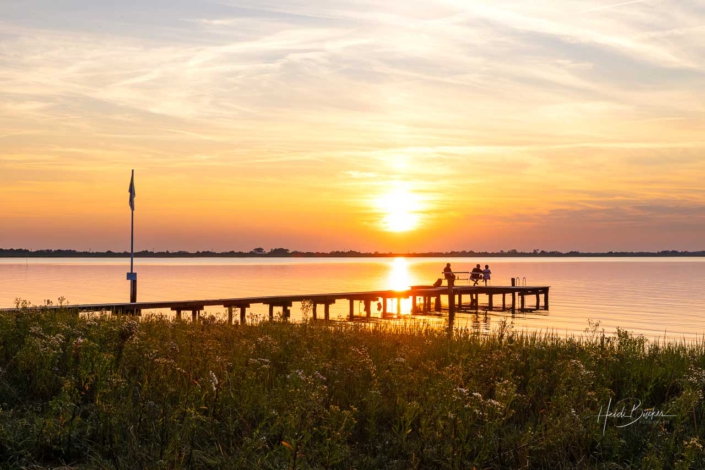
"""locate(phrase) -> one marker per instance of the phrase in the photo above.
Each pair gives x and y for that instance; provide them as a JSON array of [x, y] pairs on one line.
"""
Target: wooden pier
[[424, 301]]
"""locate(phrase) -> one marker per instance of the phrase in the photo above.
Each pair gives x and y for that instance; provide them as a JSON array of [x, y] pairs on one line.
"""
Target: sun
[[400, 208]]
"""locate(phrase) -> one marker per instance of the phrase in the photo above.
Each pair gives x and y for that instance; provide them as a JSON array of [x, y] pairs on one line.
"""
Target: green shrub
[[111, 392]]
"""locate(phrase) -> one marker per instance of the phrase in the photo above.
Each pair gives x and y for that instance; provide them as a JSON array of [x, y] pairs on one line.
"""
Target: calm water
[[655, 297]]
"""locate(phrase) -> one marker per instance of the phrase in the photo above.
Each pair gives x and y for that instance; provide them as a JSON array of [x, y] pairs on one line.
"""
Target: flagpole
[[132, 276], [132, 235]]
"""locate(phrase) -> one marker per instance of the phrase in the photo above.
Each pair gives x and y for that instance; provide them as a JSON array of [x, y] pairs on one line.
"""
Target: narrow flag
[[132, 191]]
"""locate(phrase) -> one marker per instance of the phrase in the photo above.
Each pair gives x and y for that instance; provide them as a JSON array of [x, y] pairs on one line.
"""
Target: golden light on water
[[400, 208], [399, 277], [400, 280]]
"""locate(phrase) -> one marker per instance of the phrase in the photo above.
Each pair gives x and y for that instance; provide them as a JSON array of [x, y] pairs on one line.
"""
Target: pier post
[[194, 315], [368, 309], [352, 310], [491, 302], [242, 315], [523, 301], [398, 305], [514, 302], [133, 290], [545, 299], [451, 307], [460, 300], [438, 303], [538, 300], [286, 313], [504, 301], [230, 315], [271, 312], [384, 306], [326, 311], [313, 310]]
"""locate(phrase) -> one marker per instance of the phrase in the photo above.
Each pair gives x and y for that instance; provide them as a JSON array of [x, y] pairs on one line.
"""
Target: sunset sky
[[336, 125]]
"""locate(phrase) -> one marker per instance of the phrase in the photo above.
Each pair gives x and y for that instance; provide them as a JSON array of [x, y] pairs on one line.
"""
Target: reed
[[110, 392]]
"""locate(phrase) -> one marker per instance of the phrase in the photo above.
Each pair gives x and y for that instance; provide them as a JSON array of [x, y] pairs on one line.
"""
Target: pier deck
[[425, 300]]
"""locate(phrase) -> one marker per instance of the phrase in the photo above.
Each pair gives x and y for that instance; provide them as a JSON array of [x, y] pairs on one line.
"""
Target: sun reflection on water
[[399, 280], [399, 277]]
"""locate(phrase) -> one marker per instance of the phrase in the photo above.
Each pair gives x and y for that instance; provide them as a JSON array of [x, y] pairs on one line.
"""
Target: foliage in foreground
[[117, 393]]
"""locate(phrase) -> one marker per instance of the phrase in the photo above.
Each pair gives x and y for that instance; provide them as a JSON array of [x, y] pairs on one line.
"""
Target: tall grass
[[105, 392]]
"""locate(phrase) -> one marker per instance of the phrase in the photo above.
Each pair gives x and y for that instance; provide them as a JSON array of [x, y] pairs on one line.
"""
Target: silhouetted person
[[486, 274], [448, 273], [476, 275]]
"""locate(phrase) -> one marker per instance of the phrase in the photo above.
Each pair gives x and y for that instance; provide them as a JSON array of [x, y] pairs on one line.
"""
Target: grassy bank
[[117, 393]]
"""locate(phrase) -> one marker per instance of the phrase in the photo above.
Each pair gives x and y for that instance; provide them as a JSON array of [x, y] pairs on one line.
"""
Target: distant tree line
[[286, 253]]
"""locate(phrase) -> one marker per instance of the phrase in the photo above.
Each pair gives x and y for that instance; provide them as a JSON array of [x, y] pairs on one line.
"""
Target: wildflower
[[319, 376], [214, 380], [494, 403]]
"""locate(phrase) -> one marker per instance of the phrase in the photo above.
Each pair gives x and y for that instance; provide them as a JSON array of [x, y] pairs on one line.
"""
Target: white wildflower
[[214, 380]]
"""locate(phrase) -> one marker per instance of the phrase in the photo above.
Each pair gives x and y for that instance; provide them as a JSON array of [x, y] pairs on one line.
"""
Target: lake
[[656, 297]]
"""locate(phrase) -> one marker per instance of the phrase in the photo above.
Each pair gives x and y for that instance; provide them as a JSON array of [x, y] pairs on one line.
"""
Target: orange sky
[[567, 125]]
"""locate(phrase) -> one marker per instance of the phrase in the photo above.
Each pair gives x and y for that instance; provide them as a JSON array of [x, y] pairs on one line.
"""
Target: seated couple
[[478, 274]]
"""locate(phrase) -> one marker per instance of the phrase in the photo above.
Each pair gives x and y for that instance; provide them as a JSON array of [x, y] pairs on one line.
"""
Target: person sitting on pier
[[448, 273], [476, 275], [486, 274]]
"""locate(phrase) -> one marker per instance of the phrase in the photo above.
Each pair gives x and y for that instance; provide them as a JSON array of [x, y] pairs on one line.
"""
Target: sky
[[354, 124]]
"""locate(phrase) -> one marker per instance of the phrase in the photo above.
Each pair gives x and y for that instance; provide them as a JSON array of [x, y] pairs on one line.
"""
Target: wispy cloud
[[613, 5], [484, 107]]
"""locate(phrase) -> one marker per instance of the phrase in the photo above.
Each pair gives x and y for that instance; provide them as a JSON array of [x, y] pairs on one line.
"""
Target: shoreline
[[206, 255]]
